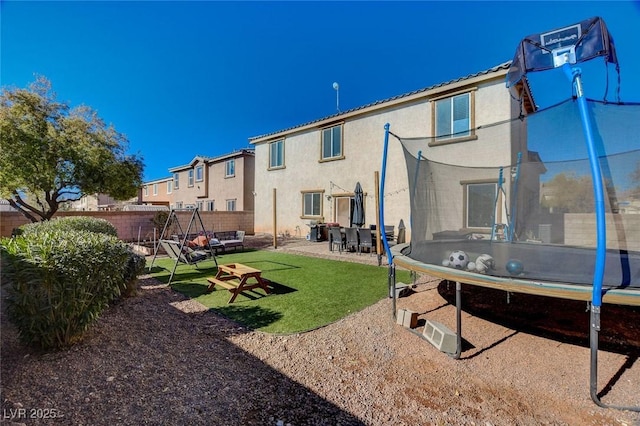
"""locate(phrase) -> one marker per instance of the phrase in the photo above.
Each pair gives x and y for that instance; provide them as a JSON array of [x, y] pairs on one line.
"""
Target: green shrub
[[135, 266], [71, 223], [59, 281]]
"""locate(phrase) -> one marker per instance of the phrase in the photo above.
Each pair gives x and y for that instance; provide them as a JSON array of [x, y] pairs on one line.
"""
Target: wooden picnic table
[[235, 278]]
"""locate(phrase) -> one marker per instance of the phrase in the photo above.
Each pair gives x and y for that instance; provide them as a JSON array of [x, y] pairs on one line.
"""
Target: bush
[[135, 267], [79, 223], [58, 282]]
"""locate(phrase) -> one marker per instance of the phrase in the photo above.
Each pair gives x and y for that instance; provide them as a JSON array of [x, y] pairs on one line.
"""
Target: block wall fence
[[579, 229], [623, 230], [132, 226]]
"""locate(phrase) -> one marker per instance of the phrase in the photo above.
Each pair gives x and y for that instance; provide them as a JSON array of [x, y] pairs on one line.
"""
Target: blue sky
[[181, 79]]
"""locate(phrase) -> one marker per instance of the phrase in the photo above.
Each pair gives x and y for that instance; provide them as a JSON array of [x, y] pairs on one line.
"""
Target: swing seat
[[186, 255]]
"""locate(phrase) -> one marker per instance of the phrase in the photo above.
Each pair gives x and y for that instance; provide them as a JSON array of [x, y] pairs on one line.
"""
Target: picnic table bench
[[235, 278]]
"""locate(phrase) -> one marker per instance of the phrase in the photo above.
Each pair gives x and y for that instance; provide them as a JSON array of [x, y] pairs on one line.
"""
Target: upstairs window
[[190, 178], [146, 190], [169, 187], [199, 173], [276, 154], [332, 142], [155, 189], [176, 180], [453, 117], [230, 168]]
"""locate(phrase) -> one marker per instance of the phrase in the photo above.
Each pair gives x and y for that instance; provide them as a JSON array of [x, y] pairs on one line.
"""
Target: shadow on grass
[[189, 289], [193, 290], [277, 288], [273, 266], [253, 317], [184, 275]]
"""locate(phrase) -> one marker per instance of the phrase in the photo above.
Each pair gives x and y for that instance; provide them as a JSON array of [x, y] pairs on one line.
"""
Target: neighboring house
[[311, 170], [5, 206], [100, 202], [224, 183], [158, 192]]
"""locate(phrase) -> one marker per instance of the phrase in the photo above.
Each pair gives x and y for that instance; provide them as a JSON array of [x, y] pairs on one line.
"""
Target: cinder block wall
[[132, 226], [623, 230]]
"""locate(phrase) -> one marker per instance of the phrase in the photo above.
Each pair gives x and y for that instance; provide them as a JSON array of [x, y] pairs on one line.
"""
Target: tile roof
[[503, 66], [206, 159]]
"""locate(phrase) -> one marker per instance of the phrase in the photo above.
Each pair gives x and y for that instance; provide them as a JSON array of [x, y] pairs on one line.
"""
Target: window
[[146, 191], [176, 180], [332, 142], [190, 178], [178, 204], [199, 173], [155, 189], [276, 154], [311, 204], [230, 168], [453, 117], [169, 187], [231, 205], [199, 204], [480, 206], [210, 205]]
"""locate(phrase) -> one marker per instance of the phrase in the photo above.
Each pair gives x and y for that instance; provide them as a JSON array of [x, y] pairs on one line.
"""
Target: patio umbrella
[[357, 214]]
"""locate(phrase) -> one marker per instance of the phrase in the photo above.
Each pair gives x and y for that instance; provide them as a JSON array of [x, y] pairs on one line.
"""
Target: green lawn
[[306, 292]]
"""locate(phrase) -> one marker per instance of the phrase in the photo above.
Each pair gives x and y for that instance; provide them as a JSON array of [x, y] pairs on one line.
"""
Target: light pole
[[336, 87]]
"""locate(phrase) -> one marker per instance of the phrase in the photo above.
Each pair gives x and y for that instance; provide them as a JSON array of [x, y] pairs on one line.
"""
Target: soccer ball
[[484, 263], [458, 259]]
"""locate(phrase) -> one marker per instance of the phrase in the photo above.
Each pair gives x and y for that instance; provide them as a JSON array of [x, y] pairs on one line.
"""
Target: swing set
[[177, 246]]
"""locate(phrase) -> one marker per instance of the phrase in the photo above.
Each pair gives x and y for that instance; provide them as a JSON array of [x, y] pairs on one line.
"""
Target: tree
[[568, 193], [51, 154]]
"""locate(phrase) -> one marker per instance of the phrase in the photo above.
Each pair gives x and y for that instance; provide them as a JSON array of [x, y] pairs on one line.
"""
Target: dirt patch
[[160, 359]]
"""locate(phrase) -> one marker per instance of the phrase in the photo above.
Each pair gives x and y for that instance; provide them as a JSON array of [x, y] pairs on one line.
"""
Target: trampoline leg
[[392, 287], [593, 344], [593, 377], [458, 321]]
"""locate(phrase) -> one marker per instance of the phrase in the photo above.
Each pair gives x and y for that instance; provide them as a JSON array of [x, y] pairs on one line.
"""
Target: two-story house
[[223, 183], [158, 192], [310, 171]]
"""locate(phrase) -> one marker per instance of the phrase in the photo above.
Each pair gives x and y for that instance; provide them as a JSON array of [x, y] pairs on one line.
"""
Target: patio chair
[[389, 231], [336, 238], [366, 240], [351, 239]]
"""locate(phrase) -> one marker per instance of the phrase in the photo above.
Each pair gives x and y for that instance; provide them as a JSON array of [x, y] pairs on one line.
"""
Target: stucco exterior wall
[[363, 140], [237, 187], [162, 197], [189, 195], [215, 185]]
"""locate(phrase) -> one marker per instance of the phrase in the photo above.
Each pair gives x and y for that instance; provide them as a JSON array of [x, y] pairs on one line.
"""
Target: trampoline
[[545, 204]]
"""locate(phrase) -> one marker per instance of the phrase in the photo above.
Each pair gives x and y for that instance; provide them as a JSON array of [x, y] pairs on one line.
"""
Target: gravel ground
[[159, 359]]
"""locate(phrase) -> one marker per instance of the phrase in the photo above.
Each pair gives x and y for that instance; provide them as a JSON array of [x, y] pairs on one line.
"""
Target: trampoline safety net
[[518, 199]]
